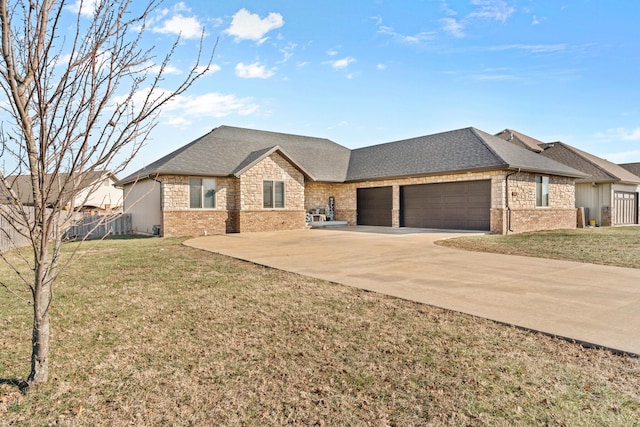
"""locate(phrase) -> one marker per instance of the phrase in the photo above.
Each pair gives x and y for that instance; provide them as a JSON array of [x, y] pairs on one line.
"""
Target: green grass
[[150, 332], [619, 246]]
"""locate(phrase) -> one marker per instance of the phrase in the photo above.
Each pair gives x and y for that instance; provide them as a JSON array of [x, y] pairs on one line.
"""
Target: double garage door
[[451, 205]]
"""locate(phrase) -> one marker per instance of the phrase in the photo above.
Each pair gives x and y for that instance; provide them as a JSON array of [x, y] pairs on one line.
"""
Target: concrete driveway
[[589, 303]]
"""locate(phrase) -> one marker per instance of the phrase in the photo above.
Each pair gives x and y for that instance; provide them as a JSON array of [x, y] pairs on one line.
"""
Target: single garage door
[[626, 208], [451, 205], [374, 206]]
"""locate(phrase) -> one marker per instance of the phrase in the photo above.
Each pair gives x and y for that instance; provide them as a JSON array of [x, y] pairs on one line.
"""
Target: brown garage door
[[374, 206], [626, 208], [451, 205]]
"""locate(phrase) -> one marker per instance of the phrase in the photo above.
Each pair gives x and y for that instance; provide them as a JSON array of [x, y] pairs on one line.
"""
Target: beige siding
[[103, 195], [142, 201]]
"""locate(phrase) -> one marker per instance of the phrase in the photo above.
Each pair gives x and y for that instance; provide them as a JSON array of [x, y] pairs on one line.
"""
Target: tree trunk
[[40, 337]]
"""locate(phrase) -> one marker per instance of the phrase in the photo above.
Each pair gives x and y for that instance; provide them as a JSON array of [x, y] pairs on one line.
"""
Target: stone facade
[[239, 204], [522, 215], [252, 215]]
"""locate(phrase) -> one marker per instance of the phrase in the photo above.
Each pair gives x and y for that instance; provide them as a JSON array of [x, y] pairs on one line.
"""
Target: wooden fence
[[93, 227], [9, 236], [98, 226]]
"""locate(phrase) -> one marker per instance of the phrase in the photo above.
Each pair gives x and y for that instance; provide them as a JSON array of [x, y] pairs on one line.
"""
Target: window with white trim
[[272, 194], [202, 193], [542, 191]]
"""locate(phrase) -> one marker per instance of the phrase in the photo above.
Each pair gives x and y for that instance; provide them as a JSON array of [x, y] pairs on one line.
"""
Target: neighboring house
[[97, 194], [608, 192], [634, 168], [243, 180]]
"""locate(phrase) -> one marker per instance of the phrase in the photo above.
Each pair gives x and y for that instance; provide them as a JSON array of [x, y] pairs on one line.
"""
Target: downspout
[[506, 199], [161, 205]]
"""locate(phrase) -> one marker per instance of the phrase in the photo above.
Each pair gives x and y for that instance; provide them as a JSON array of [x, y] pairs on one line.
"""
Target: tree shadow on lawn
[[20, 384]]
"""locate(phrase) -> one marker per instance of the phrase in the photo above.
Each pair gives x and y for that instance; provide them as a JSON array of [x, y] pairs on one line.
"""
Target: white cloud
[[287, 52], [253, 71], [248, 26], [88, 7], [340, 64], [183, 111], [377, 19], [620, 134], [453, 27], [409, 39], [213, 68], [532, 48], [188, 27], [381, 67], [497, 10], [332, 52], [168, 69]]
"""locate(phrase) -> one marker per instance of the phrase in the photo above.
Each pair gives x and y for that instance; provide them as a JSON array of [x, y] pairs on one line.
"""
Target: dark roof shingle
[[454, 151], [228, 151]]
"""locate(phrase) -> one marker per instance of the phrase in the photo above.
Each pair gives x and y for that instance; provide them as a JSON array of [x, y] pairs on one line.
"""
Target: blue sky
[[367, 72]]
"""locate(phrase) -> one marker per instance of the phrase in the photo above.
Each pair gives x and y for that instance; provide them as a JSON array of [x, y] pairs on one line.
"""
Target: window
[[542, 191], [202, 193], [272, 194]]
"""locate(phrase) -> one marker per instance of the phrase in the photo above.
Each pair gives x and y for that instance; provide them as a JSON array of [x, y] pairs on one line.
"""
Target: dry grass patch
[[618, 246], [149, 332]]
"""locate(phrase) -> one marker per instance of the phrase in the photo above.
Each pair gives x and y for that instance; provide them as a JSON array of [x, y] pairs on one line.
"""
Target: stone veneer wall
[[524, 216], [178, 219], [317, 194], [252, 216]]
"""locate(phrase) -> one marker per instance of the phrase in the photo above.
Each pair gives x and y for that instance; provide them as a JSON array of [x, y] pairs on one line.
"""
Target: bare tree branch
[[78, 102]]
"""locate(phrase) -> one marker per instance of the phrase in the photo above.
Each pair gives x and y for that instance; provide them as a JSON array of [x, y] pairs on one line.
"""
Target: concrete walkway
[[589, 303]]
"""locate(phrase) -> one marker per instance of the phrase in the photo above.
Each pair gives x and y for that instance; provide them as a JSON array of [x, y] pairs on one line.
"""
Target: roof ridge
[[484, 142]]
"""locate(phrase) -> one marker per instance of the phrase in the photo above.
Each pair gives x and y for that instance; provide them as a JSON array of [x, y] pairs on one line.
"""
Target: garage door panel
[[374, 206], [625, 208], [454, 205]]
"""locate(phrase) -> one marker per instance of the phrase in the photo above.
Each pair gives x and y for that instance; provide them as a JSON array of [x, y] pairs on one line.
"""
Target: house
[[608, 192], [97, 191], [243, 180]]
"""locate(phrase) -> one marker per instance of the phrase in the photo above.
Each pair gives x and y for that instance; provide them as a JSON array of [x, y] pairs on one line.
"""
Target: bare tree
[[80, 98]]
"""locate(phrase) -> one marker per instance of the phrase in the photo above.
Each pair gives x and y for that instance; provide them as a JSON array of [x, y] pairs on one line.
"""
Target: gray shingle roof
[[454, 151], [634, 168], [597, 168], [227, 150]]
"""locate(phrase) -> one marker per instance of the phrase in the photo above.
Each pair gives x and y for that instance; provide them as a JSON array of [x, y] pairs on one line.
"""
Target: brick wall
[[270, 220], [178, 219], [317, 194], [525, 216], [198, 222]]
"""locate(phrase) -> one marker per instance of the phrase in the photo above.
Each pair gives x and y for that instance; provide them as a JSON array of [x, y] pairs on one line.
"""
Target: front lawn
[[619, 246], [150, 332]]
